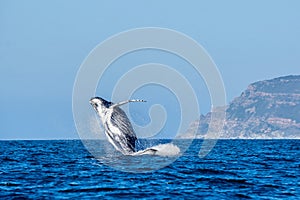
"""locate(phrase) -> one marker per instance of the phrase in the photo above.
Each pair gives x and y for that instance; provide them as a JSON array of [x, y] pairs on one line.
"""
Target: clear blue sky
[[43, 43]]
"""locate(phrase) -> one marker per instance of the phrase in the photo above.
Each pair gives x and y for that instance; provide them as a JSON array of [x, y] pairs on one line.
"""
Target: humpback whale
[[118, 128]]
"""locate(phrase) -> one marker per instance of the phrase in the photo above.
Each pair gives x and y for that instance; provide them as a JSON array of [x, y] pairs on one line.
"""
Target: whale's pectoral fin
[[149, 151], [125, 102]]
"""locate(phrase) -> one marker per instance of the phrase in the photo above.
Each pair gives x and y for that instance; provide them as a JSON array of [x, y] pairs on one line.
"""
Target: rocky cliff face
[[266, 109]]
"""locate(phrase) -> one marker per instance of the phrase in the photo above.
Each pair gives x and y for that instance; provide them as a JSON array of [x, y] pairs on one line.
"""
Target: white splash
[[168, 149]]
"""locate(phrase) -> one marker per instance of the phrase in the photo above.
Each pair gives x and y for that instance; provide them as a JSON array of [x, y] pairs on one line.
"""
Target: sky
[[44, 43]]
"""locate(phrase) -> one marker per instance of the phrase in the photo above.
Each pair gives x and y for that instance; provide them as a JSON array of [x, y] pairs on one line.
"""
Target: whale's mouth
[[93, 104], [91, 100]]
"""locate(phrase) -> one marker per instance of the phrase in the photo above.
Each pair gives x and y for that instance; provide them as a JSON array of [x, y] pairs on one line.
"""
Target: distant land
[[267, 109]]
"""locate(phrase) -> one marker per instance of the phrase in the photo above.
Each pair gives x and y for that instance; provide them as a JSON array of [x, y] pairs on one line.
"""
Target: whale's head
[[100, 105]]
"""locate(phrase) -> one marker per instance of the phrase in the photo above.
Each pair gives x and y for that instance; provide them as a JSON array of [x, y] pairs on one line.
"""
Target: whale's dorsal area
[[121, 131]]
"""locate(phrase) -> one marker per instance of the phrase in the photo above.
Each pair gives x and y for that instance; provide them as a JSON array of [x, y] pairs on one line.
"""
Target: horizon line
[[57, 139]]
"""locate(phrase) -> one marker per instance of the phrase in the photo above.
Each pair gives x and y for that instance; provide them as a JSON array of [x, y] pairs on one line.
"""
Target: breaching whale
[[118, 128]]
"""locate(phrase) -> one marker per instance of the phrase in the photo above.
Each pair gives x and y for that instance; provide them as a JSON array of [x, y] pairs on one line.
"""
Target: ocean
[[234, 169]]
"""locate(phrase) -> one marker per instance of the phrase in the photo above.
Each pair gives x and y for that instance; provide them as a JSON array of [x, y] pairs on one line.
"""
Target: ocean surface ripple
[[234, 169]]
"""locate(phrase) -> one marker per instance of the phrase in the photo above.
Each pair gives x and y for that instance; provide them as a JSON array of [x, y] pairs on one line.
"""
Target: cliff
[[266, 109]]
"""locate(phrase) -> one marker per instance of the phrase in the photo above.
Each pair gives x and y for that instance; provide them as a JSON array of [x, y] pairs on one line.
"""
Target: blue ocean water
[[234, 169]]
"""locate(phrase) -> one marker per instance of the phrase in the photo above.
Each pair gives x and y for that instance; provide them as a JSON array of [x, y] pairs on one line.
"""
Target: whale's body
[[118, 128]]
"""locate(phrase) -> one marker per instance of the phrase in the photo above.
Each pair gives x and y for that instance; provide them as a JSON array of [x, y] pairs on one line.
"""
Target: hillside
[[266, 109]]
